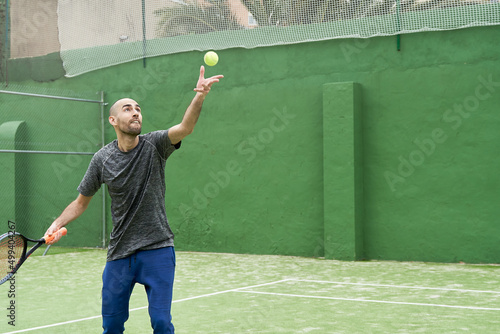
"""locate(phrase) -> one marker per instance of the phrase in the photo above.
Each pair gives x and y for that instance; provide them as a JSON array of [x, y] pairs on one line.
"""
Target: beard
[[131, 130]]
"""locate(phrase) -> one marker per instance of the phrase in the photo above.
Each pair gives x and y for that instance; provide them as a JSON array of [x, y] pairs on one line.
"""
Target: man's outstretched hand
[[203, 86]]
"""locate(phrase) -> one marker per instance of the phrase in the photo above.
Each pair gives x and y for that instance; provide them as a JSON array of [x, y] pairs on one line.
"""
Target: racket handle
[[59, 233]]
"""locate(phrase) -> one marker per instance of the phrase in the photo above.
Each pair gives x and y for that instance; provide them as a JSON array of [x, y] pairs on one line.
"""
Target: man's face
[[126, 117]]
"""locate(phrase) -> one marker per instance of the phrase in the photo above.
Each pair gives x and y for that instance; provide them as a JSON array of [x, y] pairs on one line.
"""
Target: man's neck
[[127, 143]]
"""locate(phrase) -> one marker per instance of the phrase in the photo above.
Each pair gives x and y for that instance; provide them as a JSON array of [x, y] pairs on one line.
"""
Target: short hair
[[112, 110]]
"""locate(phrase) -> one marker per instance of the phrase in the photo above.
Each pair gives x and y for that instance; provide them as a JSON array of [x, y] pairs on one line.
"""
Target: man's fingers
[[206, 84], [204, 89], [220, 76], [202, 72], [53, 241], [50, 231], [54, 236], [210, 82]]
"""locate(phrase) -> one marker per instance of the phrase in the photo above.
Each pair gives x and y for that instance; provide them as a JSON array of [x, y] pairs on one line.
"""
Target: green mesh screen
[[94, 34], [47, 139]]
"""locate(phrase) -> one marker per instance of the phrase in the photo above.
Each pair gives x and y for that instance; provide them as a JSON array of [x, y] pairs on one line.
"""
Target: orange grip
[[59, 233]]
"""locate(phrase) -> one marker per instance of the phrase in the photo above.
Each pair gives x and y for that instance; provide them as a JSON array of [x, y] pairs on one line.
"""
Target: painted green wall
[[250, 179], [44, 184]]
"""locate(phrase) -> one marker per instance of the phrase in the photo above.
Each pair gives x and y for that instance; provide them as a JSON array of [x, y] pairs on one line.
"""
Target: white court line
[[371, 301], [53, 325], [215, 293], [396, 286], [145, 307]]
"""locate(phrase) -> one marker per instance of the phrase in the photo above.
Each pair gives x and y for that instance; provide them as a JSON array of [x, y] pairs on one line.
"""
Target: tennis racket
[[13, 247]]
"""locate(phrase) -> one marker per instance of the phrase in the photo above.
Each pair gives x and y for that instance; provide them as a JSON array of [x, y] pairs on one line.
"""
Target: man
[[141, 242]]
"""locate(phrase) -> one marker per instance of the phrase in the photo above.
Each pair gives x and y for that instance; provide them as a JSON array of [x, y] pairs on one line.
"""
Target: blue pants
[[152, 268]]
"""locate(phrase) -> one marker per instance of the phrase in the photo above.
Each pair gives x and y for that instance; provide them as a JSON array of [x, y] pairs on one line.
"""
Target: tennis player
[[141, 246]]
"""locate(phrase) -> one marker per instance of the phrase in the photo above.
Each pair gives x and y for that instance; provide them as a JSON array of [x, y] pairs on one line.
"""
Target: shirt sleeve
[[92, 180], [163, 143]]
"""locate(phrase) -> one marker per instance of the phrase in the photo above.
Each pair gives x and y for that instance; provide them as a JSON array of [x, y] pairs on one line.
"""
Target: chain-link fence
[[88, 35], [4, 45], [46, 143]]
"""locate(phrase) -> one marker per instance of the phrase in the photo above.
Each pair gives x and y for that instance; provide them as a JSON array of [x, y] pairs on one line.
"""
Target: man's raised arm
[[178, 132]]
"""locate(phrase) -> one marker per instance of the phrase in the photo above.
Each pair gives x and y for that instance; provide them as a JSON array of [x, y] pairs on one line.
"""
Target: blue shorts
[[152, 268]]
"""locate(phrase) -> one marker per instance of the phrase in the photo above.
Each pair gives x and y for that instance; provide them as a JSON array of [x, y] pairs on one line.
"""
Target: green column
[[8, 133], [342, 171]]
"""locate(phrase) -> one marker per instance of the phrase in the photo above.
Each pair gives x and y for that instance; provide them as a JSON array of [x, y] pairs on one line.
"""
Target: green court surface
[[227, 293]]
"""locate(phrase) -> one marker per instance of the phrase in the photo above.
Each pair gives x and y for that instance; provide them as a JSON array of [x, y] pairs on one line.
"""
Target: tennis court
[[228, 293], [345, 139]]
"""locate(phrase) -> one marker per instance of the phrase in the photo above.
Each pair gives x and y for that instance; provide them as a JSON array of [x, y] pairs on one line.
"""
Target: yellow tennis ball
[[211, 58]]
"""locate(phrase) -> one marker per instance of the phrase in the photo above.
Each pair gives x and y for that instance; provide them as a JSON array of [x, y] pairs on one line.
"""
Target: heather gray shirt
[[136, 184]]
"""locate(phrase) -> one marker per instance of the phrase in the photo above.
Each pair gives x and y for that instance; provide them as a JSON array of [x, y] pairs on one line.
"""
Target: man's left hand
[[203, 86]]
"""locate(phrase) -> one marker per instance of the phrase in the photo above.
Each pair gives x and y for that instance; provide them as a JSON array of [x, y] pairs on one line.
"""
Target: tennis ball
[[211, 58]]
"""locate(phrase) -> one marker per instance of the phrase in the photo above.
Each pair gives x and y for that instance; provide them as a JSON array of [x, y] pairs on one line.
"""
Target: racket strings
[[11, 252]]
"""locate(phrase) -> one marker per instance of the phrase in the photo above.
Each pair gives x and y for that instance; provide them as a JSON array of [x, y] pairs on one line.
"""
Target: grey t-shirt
[[136, 184]]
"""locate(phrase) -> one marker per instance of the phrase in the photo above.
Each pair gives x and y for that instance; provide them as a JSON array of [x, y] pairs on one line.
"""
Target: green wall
[[256, 174], [37, 187]]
